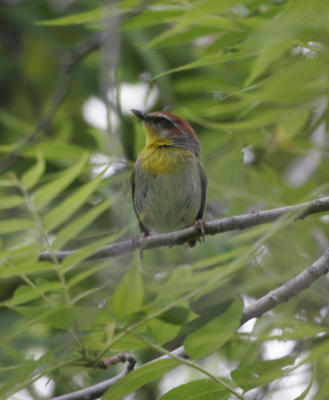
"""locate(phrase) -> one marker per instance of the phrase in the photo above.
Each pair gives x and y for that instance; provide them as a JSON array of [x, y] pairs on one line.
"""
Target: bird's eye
[[162, 123]]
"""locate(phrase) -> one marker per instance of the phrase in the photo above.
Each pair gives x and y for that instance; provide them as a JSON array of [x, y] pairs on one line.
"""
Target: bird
[[168, 182]]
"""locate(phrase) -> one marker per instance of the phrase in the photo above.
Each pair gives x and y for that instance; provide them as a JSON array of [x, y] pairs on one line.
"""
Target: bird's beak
[[139, 114]]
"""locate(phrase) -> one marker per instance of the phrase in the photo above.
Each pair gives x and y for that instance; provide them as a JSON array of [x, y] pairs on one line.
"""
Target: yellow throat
[[160, 157]]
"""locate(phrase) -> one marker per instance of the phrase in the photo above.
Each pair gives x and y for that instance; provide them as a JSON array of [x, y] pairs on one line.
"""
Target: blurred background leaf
[[251, 76]]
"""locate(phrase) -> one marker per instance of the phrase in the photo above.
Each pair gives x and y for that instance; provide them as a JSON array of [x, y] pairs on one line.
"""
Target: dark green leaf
[[217, 332]]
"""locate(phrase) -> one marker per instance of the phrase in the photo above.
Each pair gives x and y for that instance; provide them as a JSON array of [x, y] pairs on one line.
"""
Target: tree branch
[[67, 64], [95, 391], [279, 295], [210, 228], [289, 289]]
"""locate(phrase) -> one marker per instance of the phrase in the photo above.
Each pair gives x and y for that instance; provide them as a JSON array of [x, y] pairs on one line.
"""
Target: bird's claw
[[136, 241], [200, 225]]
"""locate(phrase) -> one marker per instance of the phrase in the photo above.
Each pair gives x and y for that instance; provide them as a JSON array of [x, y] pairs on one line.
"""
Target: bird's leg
[[144, 234], [200, 225]]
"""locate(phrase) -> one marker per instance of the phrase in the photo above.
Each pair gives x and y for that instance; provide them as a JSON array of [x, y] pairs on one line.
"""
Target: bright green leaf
[[31, 177], [15, 225], [11, 202], [7, 271], [161, 331]]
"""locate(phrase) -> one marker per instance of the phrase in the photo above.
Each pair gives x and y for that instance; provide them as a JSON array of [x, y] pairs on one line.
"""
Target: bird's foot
[[136, 241], [200, 225]]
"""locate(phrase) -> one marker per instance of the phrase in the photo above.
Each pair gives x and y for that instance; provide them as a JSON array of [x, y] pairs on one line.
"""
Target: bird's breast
[[164, 160], [167, 197]]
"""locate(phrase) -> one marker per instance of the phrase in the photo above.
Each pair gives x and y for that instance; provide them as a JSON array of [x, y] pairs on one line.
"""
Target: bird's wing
[[142, 227], [204, 182]]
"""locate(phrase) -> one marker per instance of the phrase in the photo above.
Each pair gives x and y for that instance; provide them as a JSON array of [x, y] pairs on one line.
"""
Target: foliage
[[251, 77]]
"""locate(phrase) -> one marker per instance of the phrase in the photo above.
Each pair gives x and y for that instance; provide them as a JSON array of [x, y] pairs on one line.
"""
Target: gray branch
[[279, 295], [289, 289], [210, 228], [95, 391]]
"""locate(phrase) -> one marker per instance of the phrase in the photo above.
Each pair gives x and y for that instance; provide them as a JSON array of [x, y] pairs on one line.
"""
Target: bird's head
[[165, 128]]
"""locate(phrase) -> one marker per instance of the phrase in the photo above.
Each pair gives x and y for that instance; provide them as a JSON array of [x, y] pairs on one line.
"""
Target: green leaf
[[25, 372], [271, 51], [24, 293], [6, 182], [56, 151], [21, 254], [153, 17], [201, 389], [82, 254], [81, 222], [96, 14], [52, 189], [15, 225], [11, 202], [139, 377], [198, 14], [31, 177], [36, 315], [59, 317], [217, 332], [200, 62], [161, 331], [176, 315], [71, 204], [84, 274], [15, 123], [129, 342], [7, 271], [74, 19], [261, 373], [128, 296]]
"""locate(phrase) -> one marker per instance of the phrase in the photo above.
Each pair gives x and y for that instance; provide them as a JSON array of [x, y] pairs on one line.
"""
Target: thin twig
[[119, 358], [279, 295], [210, 228]]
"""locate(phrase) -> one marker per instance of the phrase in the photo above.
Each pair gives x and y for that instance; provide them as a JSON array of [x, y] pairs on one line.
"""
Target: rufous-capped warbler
[[168, 182]]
